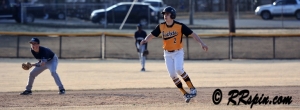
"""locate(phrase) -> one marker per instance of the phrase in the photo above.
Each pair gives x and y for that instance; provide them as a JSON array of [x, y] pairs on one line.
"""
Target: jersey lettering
[[174, 40], [172, 36], [169, 34]]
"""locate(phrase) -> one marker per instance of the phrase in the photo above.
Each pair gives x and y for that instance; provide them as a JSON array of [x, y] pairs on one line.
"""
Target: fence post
[[187, 49], [149, 14], [103, 46], [106, 23], [192, 9], [230, 47], [274, 56], [22, 12], [231, 20], [60, 46], [18, 46], [66, 12]]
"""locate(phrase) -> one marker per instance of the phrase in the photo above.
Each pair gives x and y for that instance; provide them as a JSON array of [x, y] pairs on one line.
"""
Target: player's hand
[[204, 47], [143, 42], [42, 63]]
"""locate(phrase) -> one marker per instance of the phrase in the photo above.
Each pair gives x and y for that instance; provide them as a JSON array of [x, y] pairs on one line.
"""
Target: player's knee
[[173, 76], [179, 71], [32, 75], [53, 73]]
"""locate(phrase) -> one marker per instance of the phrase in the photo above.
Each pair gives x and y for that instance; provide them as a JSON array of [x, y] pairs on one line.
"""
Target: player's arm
[[36, 56], [40, 63], [153, 34], [188, 32], [198, 39], [36, 64], [44, 53], [147, 39], [43, 61], [134, 37]]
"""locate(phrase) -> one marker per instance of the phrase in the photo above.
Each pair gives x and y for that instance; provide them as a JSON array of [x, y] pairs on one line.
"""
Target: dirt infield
[[118, 84], [147, 98]]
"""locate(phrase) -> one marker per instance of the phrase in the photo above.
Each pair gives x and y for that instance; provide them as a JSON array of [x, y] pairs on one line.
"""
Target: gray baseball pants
[[141, 56], [52, 66]]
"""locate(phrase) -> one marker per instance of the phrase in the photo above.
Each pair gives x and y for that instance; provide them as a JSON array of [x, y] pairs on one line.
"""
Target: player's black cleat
[[62, 91], [187, 97], [26, 92], [143, 69], [193, 92]]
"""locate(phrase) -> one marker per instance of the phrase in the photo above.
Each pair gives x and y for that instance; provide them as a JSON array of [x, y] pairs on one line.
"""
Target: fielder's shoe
[[187, 97], [193, 92], [143, 69], [62, 91], [26, 92]]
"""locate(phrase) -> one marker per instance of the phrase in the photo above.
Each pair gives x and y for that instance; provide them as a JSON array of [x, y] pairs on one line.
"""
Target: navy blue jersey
[[44, 53], [139, 36]]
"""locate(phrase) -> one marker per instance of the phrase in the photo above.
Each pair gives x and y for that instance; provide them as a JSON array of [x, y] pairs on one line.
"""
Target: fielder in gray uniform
[[46, 60], [139, 35]]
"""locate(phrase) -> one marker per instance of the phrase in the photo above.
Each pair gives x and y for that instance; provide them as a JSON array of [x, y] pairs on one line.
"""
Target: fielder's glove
[[146, 52], [26, 66]]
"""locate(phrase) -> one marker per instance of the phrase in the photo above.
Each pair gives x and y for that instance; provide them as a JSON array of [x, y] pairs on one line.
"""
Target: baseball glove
[[146, 52], [26, 66]]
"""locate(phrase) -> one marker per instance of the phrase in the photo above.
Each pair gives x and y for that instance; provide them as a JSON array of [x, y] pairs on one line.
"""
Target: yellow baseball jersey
[[172, 34]]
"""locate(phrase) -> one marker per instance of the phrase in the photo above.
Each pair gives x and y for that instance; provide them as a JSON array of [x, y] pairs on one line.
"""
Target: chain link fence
[[119, 47]]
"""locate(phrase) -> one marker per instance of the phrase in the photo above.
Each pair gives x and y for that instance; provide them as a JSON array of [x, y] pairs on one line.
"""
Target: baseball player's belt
[[171, 50]]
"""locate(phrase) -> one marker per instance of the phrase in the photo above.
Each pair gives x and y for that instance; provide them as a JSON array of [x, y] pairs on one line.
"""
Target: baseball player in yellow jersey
[[172, 33]]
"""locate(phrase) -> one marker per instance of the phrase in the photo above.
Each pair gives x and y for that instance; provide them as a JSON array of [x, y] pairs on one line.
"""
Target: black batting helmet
[[171, 10]]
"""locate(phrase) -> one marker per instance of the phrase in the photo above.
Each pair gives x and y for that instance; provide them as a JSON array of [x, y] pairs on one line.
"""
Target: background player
[[172, 33], [47, 60], [139, 35]]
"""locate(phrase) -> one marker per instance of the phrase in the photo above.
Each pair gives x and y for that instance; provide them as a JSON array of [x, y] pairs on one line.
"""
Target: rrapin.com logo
[[237, 97]]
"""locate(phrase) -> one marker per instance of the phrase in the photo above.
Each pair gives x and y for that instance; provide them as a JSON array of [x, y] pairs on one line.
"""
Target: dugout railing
[[105, 45]]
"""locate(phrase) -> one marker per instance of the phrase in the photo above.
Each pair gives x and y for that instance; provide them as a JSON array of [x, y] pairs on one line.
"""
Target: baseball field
[[119, 85]]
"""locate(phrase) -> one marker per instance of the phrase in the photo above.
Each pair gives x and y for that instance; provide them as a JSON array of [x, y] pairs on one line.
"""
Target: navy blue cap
[[139, 25], [35, 40]]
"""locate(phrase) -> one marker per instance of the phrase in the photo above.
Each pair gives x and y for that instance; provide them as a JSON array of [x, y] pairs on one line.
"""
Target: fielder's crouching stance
[[172, 33], [47, 60]]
